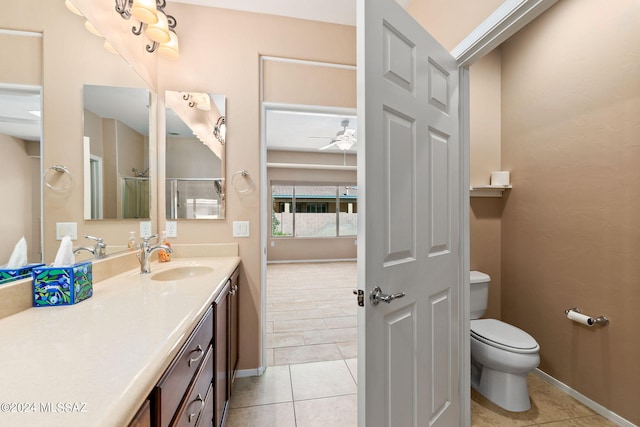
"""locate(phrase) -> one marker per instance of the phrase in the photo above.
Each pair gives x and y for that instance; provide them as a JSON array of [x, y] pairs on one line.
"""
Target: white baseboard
[[596, 407], [243, 373]]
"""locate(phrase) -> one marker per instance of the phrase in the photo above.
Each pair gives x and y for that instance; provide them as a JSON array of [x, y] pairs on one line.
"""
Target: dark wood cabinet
[[226, 318], [221, 350], [172, 391], [196, 387], [143, 417], [193, 409], [234, 323]]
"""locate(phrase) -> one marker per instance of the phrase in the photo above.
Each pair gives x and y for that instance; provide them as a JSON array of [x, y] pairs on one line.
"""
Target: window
[[314, 210]]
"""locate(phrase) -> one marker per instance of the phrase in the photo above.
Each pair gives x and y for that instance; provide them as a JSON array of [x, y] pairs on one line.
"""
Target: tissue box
[[62, 285], [7, 275]]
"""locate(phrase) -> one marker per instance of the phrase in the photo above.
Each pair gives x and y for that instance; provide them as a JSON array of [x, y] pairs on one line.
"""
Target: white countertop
[[96, 362]]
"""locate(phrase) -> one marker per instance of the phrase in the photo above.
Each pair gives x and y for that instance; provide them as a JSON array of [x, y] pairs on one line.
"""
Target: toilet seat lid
[[503, 335]]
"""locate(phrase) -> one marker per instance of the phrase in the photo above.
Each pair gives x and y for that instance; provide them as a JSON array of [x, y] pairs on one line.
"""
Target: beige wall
[[449, 22], [189, 158], [220, 59], [22, 59], [570, 229], [484, 149]]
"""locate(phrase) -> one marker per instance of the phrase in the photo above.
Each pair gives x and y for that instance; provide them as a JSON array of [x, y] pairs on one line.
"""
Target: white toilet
[[501, 354]]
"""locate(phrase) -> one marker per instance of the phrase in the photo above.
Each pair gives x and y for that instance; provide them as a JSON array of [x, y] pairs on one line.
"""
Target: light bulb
[[89, 26], [109, 47], [159, 32], [72, 7], [204, 104], [145, 11], [170, 49]]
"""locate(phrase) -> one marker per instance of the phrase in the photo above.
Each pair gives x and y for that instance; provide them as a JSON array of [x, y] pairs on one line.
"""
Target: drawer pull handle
[[194, 415], [201, 351]]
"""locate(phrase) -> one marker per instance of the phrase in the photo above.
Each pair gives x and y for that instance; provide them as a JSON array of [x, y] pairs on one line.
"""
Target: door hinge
[[360, 294]]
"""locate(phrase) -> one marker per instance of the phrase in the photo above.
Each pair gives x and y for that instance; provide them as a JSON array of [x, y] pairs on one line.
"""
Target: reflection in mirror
[[20, 148], [116, 153], [196, 132]]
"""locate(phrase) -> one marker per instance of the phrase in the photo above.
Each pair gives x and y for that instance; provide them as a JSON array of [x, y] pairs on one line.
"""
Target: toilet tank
[[479, 290]]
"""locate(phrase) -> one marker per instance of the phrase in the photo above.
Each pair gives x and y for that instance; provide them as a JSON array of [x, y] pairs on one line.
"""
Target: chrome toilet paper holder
[[584, 319]]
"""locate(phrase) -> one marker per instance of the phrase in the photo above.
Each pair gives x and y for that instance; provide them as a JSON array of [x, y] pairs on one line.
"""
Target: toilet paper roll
[[580, 318], [500, 178]]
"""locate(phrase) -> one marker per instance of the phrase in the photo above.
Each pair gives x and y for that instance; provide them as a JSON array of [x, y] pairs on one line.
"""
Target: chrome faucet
[[146, 250], [99, 250]]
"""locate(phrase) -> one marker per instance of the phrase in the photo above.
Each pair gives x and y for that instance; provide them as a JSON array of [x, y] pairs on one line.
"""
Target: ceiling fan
[[344, 139]]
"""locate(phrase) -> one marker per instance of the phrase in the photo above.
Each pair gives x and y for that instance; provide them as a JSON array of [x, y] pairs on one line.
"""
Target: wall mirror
[[116, 152], [20, 148], [195, 145]]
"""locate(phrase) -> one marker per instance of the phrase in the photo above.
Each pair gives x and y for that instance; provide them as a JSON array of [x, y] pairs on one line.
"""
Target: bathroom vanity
[[158, 349]]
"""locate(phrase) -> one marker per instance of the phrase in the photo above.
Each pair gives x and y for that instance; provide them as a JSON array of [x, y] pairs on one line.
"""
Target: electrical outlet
[[171, 228], [145, 229], [67, 229]]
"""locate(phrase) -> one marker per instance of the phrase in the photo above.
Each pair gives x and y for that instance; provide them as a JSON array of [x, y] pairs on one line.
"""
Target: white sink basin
[[181, 273]]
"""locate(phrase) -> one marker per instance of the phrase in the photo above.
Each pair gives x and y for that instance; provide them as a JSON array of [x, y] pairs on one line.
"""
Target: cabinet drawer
[[172, 386], [195, 403], [206, 418]]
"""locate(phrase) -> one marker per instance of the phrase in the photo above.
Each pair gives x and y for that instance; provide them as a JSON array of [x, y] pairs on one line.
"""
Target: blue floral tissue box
[[9, 275], [62, 285]]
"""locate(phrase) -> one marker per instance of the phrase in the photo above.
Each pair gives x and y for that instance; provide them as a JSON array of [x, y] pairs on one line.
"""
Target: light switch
[[241, 229], [67, 229]]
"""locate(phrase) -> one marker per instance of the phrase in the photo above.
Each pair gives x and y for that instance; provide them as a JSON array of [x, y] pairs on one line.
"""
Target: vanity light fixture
[[89, 26], [220, 129], [157, 25], [109, 47], [202, 101], [72, 8]]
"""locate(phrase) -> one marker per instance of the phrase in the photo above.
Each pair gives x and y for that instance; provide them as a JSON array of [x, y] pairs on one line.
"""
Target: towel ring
[[247, 177], [61, 169]]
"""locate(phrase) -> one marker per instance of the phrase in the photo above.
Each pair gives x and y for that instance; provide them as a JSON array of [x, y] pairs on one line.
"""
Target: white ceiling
[[335, 11], [307, 130], [15, 117]]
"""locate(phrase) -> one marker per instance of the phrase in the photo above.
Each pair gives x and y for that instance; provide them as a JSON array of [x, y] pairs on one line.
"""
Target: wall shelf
[[488, 190]]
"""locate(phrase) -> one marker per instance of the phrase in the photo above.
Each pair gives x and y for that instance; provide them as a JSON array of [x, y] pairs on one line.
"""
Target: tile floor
[[311, 379]]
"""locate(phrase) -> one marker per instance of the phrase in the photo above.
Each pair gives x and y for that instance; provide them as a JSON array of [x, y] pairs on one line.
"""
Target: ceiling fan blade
[[333, 143]]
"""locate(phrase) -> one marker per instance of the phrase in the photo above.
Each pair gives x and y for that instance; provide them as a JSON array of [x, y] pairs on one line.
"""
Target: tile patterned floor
[[312, 375]]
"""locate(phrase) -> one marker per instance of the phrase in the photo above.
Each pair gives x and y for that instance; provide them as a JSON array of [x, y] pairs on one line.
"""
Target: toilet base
[[507, 390]]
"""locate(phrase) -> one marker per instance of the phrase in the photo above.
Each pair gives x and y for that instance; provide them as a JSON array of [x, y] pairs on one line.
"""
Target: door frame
[[505, 21], [509, 18]]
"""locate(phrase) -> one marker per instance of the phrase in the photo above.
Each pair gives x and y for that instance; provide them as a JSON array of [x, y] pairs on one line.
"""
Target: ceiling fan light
[[159, 32], [145, 11], [344, 144]]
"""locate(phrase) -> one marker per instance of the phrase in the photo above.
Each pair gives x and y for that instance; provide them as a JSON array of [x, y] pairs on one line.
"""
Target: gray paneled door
[[409, 235]]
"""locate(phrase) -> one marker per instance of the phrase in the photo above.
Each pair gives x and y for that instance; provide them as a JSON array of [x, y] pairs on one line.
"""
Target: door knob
[[376, 296]]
